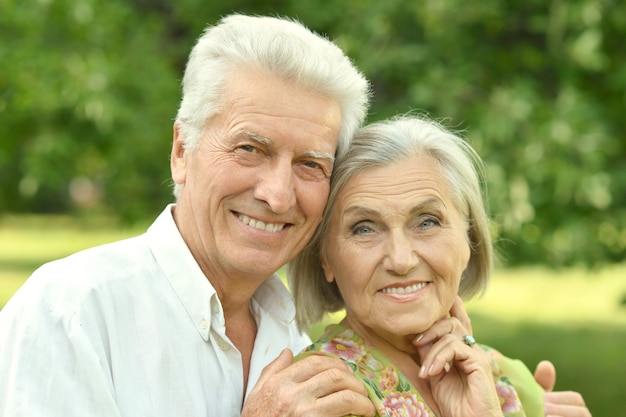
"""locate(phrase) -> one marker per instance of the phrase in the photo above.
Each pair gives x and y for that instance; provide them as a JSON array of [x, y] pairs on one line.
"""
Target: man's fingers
[[303, 369], [545, 375], [334, 387], [566, 404], [315, 385], [281, 362], [349, 402], [326, 374]]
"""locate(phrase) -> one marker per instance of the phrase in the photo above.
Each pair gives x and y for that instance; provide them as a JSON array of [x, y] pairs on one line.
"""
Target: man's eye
[[248, 148], [313, 170]]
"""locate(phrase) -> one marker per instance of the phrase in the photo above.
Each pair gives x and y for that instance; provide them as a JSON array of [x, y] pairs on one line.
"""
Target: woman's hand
[[459, 373]]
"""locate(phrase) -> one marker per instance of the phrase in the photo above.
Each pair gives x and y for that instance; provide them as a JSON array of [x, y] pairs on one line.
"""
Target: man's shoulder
[[101, 260], [71, 279]]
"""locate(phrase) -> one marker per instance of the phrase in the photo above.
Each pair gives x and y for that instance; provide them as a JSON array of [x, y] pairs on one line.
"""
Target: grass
[[576, 318]]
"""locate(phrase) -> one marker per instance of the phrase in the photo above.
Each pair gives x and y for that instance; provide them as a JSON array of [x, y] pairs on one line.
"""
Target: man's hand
[[314, 386], [559, 403]]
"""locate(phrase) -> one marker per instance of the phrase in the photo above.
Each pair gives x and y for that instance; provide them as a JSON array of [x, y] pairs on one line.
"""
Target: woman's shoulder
[[337, 340], [515, 384]]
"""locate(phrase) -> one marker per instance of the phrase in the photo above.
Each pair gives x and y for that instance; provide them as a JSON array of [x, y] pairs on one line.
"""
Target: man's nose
[[276, 186]]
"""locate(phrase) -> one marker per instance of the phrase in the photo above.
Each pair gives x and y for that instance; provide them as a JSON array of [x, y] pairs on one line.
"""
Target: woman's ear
[[328, 272]]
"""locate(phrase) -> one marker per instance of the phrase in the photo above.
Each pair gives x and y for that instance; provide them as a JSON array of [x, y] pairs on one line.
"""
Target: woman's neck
[[401, 352], [398, 348]]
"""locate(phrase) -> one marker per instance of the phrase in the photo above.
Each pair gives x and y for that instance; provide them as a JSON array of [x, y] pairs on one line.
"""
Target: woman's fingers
[[448, 325], [451, 351], [458, 311]]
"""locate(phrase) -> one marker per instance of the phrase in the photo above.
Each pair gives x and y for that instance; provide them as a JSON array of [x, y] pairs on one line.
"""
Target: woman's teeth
[[404, 290]]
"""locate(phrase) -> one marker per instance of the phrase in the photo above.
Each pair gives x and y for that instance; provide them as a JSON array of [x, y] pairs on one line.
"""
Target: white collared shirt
[[132, 328]]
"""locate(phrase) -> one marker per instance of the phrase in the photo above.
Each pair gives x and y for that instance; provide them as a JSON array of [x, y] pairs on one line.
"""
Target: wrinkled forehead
[[416, 177]]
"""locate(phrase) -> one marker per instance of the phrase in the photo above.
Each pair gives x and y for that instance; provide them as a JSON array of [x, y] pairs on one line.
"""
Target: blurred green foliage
[[89, 89]]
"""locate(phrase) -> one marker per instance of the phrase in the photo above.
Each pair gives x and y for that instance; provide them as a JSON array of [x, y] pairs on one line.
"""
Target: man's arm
[[49, 364]]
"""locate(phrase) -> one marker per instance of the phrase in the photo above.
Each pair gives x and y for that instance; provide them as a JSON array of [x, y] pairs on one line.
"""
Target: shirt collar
[[194, 290], [274, 299]]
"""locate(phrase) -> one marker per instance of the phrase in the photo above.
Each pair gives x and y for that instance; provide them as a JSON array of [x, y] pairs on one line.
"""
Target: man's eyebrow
[[266, 141], [320, 155], [254, 136]]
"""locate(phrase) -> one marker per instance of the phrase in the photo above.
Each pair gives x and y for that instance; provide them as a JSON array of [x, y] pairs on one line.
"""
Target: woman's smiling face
[[396, 247]]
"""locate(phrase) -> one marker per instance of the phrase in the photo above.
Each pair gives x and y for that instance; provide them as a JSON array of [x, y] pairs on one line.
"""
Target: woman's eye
[[429, 222], [361, 229]]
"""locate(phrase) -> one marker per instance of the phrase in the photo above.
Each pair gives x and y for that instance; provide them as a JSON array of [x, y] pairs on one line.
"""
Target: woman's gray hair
[[279, 47], [382, 144]]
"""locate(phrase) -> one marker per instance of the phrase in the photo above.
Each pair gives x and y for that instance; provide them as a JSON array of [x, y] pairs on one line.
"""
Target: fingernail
[[446, 367], [420, 337], [422, 371]]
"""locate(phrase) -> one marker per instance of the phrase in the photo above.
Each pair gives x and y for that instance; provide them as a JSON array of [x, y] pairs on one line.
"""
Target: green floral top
[[393, 394]]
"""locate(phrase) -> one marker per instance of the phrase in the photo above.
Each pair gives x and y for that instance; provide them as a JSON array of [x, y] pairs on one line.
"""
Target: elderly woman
[[405, 234]]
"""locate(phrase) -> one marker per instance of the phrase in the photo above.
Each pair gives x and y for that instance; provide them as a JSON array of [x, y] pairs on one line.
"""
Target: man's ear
[[178, 157], [328, 272]]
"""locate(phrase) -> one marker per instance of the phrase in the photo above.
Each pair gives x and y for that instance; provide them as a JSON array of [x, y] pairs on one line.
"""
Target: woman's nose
[[401, 256]]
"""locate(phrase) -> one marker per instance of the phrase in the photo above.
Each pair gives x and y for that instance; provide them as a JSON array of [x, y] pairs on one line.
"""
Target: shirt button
[[224, 346], [215, 308], [203, 324]]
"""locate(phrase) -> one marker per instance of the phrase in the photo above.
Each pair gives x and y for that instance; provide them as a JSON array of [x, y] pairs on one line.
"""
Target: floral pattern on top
[[390, 391]]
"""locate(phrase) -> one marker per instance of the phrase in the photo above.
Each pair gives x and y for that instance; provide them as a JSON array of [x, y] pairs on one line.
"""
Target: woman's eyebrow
[[415, 209], [361, 210], [427, 203]]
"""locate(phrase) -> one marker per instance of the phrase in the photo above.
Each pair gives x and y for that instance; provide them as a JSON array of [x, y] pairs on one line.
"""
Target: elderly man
[[182, 320]]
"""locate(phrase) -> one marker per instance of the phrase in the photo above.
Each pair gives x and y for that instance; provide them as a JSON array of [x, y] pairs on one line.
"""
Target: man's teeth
[[404, 290], [258, 224]]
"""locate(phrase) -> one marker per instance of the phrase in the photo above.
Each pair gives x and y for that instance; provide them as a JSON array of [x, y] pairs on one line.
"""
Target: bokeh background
[[89, 90]]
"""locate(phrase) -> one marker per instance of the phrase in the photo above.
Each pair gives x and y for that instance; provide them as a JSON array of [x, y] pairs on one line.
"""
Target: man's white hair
[[279, 47]]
